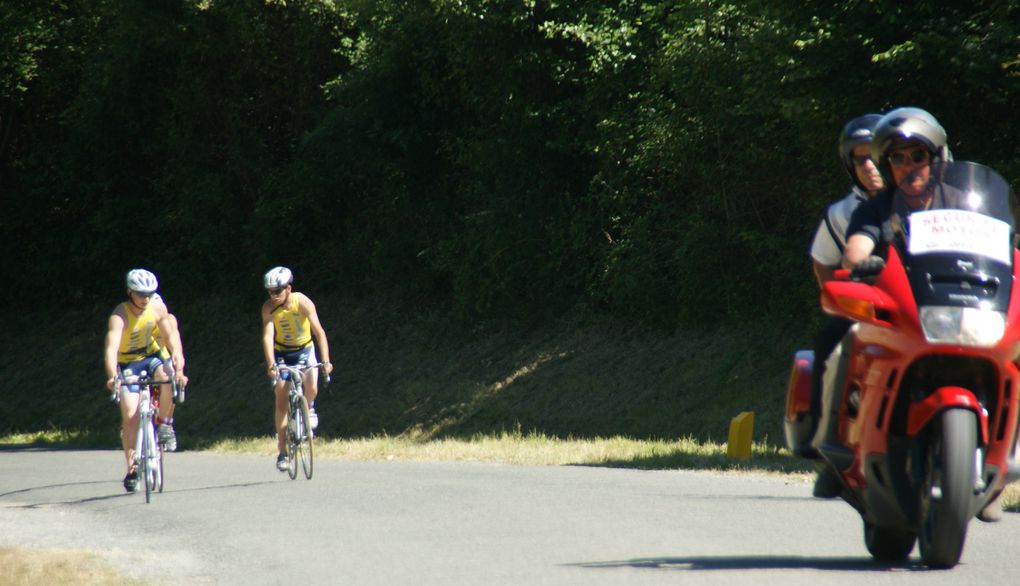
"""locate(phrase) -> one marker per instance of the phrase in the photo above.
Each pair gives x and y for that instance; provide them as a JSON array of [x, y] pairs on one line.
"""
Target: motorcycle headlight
[[967, 326]]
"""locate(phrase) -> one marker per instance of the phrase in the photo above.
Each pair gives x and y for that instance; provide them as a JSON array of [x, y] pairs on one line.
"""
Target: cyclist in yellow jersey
[[131, 348], [289, 323], [167, 436]]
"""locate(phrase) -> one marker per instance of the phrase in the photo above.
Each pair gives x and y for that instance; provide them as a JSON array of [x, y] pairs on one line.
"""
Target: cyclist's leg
[[129, 409], [160, 370], [309, 384], [282, 403], [129, 425], [280, 416], [166, 392], [311, 378]]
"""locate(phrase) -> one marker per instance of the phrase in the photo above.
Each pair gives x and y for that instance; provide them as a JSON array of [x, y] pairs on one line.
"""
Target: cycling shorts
[[148, 366], [302, 357]]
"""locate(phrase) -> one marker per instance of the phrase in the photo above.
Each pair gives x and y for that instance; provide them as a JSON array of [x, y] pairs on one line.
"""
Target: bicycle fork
[[145, 439]]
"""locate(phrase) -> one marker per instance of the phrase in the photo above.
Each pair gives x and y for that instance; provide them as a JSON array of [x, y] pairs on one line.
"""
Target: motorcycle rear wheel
[[887, 544], [950, 468]]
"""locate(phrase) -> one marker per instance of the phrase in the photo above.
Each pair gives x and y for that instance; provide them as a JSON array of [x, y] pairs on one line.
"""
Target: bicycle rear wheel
[[159, 469], [305, 450]]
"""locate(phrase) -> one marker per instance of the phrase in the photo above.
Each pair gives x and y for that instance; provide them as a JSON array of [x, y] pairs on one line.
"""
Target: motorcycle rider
[[854, 149], [906, 143]]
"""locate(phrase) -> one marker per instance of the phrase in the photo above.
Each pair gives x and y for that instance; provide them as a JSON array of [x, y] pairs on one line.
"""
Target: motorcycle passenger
[[131, 348], [854, 149], [289, 323], [906, 143]]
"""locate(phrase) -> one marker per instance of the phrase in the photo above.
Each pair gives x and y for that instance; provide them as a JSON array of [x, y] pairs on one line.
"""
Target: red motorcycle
[[919, 410]]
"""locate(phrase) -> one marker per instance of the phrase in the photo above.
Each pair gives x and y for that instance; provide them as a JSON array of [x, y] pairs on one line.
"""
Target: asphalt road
[[227, 519]]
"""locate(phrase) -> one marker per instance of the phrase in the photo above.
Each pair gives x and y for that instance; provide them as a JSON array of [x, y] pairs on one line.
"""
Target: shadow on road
[[841, 564], [49, 486], [117, 495]]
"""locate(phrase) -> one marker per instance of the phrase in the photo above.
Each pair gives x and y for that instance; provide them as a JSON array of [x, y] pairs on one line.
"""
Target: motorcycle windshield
[[958, 249]]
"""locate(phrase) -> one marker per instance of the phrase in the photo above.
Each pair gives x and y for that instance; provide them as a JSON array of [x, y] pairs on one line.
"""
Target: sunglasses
[[146, 295], [916, 156], [860, 160], [275, 292]]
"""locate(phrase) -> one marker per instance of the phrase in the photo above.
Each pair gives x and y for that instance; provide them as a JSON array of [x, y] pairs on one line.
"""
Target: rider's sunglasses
[[140, 294], [860, 160], [916, 156], [275, 292]]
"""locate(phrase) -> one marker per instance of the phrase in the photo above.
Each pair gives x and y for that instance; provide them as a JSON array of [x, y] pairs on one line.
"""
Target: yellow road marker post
[[741, 430]]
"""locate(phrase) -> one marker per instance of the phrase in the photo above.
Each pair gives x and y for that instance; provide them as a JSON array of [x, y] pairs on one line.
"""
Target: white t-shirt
[[830, 238]]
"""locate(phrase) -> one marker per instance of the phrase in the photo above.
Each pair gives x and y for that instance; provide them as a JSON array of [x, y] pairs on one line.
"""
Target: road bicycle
[[148, 459], [300, 437]]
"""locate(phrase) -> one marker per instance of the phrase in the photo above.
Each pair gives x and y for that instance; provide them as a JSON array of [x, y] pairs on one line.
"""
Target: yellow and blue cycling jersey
[[137, 340], [291, 329]]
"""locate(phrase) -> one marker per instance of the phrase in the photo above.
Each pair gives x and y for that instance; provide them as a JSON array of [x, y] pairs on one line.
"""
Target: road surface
[[233, 519]]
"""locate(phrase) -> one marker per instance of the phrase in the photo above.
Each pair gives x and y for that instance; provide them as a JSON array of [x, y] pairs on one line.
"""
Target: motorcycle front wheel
[[947, 493]]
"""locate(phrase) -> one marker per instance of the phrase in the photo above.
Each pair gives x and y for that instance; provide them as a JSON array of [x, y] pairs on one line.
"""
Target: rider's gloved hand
[[868, 269]]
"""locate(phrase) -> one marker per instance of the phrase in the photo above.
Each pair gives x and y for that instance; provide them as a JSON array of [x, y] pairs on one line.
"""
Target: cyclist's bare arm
[[306, 307], [175, 336], [268, 332], [171, 337], [114, 330]]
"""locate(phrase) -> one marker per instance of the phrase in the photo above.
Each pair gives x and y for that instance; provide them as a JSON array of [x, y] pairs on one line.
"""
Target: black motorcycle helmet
[[903, 124], [857, 131]]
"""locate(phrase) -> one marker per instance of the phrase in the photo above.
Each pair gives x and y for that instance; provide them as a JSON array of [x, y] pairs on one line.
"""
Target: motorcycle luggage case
[[798, 421]]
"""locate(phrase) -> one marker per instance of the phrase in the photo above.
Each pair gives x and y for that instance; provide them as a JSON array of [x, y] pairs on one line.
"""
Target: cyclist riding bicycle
[[165, 430], [131, 348], [289, 322]]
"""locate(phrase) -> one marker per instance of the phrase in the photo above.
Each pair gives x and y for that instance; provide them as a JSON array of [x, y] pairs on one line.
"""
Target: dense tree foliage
[[505, 158]]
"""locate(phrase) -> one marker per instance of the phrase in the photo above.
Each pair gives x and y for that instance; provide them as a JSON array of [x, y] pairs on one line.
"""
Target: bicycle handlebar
[[141, 381], [299, 370]]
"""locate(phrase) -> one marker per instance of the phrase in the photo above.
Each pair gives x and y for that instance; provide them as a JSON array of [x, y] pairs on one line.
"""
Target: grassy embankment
[[410, 380]]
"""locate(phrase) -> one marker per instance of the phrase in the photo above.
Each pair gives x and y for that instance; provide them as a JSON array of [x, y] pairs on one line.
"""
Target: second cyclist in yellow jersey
[[289, 325]]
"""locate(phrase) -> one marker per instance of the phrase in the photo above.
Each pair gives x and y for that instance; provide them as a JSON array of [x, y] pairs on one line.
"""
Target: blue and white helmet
[[141, 281], [278, 277]]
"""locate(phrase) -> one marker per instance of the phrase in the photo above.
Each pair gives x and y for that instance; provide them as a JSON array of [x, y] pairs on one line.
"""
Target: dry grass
[[30, 567], [539, 450]]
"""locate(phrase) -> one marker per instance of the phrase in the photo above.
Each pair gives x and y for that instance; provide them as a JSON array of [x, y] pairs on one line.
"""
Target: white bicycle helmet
[[278, 277], [141, 281]]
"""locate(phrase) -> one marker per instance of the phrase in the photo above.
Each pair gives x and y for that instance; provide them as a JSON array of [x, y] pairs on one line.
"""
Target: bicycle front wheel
[[293, 438], [147, 471], [305, 449]]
